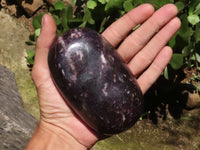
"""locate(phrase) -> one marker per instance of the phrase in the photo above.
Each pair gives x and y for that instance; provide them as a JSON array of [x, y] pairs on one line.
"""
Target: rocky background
[[29, 7], [16, 125], [171, 127], [16, 87]]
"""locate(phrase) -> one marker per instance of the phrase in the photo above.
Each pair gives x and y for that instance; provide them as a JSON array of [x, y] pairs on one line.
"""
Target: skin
[[144, 50]]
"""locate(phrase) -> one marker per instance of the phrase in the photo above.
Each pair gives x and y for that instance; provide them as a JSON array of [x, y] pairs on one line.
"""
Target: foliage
[[99, 14], [30, 57], [186, 43]]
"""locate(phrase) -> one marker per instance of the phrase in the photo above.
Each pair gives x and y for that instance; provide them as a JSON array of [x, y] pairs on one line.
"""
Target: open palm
[[143, 49]]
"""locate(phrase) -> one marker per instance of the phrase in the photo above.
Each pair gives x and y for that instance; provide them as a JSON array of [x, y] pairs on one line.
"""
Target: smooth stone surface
[[95, 81]]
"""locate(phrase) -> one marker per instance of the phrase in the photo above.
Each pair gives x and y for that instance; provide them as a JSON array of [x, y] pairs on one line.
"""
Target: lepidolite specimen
[[95, 81]]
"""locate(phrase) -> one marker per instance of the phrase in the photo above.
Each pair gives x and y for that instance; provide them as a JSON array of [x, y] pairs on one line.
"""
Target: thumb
[[47, 35]]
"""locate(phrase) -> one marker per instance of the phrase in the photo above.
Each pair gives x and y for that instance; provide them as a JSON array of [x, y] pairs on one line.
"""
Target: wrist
[[48, 136]]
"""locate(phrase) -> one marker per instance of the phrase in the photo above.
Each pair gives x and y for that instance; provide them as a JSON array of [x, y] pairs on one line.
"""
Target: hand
[[144, 50]]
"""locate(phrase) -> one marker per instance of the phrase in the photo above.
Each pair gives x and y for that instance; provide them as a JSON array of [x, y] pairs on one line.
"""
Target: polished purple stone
[[95, 81]]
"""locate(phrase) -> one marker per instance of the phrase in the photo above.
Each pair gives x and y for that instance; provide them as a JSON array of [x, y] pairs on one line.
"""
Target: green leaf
[[161, 3], [51, 9], [197, 10], [91, 4], [114, 4], [185, 31], [59, 32], [30, 61], [176, 61], [180, 5], [192, 6], [30, 57], [101, 29], [30, 53], [158, 3], [193, 58], [166, 74], [37, 32], [197, 57], [172, 42], [83, 24], [102, 1], [57, 19], [59, 5], [193, 19], [128, 5], [187, 50], [197, 33], [37, 21], [88, 16], [136, 27], [66, 16]]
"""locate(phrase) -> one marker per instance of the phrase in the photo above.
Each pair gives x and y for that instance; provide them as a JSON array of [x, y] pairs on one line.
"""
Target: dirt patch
[[168, 134]]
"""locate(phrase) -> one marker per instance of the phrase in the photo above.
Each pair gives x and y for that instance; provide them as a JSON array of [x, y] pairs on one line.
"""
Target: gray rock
[[16, 125]]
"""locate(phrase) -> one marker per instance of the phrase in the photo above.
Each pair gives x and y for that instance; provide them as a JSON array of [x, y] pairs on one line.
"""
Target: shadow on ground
[[165, 97], [169, 122]]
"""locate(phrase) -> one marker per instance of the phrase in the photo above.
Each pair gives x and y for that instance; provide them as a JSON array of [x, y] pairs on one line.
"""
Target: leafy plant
[[99, 14], [186, 43], [30, 57]]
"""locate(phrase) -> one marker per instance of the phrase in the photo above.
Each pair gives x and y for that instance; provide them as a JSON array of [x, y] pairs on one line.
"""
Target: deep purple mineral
[[95, 81]]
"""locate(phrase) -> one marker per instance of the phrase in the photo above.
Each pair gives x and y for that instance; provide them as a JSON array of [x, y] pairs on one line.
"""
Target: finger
[[147, 79], [47, 35], [139, 38], [149, 52], [119, 29]]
